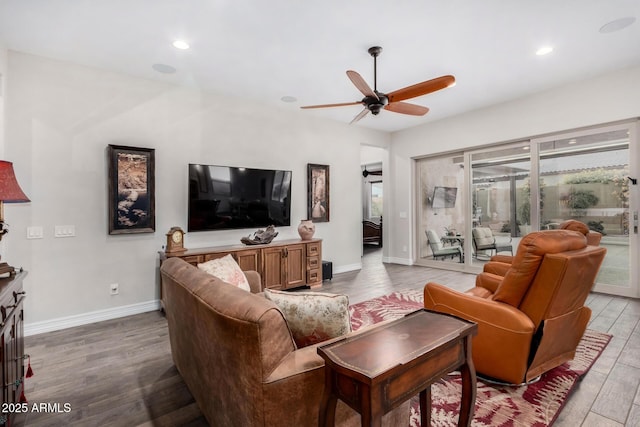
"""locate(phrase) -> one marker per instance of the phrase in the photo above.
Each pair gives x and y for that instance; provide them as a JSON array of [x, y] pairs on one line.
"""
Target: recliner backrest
[[562, 283], [531, 251], [593, 237]]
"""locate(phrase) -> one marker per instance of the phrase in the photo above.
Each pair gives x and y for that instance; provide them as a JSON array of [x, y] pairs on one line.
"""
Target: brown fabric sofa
[[237, 356], [531, 319]]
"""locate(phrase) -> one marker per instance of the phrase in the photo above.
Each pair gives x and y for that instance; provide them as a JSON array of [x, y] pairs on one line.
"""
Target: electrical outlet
[[114, 289]]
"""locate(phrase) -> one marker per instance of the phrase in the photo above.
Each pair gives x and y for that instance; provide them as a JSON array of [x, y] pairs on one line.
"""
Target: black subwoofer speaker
[[327, 270]]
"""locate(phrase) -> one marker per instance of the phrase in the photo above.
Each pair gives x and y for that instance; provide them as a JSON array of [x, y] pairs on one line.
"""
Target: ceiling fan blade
[[362, 86], [343, 104], [420, 89], [359, 116], [406, 108]]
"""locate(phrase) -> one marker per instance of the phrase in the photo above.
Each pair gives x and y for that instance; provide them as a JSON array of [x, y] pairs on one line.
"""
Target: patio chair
[[484, 240], [439, 250]]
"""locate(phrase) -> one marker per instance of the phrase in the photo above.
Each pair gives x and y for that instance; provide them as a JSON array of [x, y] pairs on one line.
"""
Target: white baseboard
[[349, 267], [394, 260], [91, 317]]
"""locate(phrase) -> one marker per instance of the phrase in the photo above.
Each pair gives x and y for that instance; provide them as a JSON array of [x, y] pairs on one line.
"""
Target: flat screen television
[[225, 197], [444, 197]]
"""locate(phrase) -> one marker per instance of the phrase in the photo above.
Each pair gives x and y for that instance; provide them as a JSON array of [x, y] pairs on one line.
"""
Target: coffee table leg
[[425, 407], [468, 374]]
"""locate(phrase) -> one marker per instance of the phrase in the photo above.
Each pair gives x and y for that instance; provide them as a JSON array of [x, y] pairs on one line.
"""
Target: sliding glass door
[[475, 204], [500, 208], [441, 211], [585, 176]]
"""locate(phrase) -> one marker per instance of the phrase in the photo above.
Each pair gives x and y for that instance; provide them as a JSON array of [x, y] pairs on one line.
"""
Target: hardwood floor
[[120, 372]]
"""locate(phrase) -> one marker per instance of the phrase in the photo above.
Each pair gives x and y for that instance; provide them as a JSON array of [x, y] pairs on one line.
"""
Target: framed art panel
[[131, 190], [318, 192]]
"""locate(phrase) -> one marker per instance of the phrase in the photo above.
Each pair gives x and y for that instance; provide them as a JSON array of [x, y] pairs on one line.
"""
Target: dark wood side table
[[381, 368], [12, 372]]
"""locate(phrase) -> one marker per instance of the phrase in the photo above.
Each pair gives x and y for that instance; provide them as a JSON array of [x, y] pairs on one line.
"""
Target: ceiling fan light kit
[[374, 101]]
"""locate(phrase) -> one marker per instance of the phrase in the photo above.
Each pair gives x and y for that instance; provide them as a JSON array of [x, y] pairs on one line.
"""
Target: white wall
[[60, 119], [608, 98], [3, 79]]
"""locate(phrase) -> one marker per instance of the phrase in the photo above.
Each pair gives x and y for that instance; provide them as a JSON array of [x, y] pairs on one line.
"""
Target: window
[[375, 200]]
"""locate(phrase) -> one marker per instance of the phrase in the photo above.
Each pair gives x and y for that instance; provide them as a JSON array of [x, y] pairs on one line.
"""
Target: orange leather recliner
[[499, 264], [532, 319]]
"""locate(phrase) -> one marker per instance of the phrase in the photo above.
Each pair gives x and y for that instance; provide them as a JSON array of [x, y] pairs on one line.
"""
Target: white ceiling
[[263, 50]]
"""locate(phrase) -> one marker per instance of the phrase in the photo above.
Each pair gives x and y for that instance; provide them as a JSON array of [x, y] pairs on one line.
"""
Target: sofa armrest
[[255, 281], [297, 362]]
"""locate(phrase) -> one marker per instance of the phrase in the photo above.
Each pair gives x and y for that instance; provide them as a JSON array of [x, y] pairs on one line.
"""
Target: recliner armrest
[[496, 314], [489, 281], [507, 259], [503, 343]]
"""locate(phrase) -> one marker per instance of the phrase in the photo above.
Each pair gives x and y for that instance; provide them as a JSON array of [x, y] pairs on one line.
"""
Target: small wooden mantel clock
[[175, 241]]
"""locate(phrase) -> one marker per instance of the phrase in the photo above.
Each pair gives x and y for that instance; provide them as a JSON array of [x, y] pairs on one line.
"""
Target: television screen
[[444, 197], [224, 197]]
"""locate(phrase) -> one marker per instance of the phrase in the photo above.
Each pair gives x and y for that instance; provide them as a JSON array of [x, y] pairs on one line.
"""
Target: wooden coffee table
[[381, 368]]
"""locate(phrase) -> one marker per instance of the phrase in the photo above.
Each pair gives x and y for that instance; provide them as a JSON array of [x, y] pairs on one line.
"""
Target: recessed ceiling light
[[572, 141], [617, 24], [526, 147], [181, 44], [544, 50], [163, 68], [288, 98]]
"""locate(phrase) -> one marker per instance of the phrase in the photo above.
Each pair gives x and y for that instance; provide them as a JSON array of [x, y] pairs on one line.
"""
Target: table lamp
[[10, 192]]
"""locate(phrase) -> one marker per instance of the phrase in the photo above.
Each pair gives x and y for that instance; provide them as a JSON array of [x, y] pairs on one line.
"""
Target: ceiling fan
[[375, 101], [366, 173]]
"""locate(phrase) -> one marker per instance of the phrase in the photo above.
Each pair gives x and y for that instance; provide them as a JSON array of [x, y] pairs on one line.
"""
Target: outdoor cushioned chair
[[484, 240], [439, 250], [499, 264], [532, 319]]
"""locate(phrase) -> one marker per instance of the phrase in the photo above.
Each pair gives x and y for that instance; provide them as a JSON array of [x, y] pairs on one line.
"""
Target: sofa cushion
[[313, 317], [228, 270]]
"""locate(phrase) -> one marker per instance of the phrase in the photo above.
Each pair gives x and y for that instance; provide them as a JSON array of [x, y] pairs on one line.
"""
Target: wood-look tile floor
[[120, 372]]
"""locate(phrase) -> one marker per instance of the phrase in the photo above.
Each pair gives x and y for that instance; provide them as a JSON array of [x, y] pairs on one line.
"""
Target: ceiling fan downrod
[[375, 51], [375, 105]]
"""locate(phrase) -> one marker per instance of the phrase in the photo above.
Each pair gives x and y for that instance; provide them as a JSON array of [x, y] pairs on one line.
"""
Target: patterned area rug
[[537, 404]]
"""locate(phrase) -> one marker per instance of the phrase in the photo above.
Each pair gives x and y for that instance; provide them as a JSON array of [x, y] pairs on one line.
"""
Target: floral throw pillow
[[228, 270], [313, 317]]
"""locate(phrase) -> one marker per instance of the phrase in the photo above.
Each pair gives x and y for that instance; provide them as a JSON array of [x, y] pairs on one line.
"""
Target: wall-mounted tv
[[444, 197], [225, 197]]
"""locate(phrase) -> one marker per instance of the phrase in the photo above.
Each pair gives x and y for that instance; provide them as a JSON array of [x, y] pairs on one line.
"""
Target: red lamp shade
[[10, 191]]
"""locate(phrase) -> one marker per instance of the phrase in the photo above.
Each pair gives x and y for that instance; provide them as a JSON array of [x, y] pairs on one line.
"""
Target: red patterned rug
[[537, 404]]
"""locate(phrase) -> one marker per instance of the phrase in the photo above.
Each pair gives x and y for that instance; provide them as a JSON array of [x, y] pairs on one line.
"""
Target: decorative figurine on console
[[260, 237]]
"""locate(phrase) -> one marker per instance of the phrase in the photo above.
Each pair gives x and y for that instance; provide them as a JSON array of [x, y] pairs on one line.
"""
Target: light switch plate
[[65, 231], [35, 232]]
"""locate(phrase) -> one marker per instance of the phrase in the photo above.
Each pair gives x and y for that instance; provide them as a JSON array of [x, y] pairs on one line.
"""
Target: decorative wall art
[[318, 192], [131, 190]]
